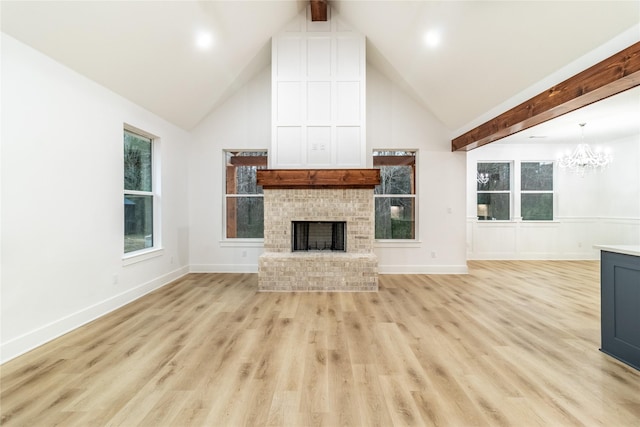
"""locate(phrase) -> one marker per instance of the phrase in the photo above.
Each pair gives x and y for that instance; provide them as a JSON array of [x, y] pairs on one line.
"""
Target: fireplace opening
[[319, 236]]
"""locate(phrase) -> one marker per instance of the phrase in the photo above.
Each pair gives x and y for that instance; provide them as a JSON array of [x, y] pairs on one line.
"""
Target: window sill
[[142, 255], [397, 243], [517, 221], [242, 243]]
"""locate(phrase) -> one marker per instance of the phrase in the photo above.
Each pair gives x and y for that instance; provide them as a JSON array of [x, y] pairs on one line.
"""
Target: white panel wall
[[318, 76], [603, 208], [62, 211]]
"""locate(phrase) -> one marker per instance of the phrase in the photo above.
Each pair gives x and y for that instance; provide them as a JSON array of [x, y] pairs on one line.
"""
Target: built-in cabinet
[[620, 303]]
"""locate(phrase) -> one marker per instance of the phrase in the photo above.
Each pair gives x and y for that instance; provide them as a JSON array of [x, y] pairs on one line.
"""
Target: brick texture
[[280, 269]]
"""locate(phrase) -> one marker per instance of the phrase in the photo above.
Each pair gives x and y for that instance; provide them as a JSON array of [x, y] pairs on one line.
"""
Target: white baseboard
[[423, 269], [382, 269], [223, 268], [531, 256], [26, 342]]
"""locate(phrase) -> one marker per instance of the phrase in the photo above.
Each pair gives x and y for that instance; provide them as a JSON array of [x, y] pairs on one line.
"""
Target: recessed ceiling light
[[432, 38], [204, 40]]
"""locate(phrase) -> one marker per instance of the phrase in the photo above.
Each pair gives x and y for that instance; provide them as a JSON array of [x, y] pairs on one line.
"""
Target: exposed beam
[[609, 77], [394, 160], [318, 178], [318, 10], [248, 160]]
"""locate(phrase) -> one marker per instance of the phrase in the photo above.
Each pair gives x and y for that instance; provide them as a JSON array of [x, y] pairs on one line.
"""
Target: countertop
[[620, 249]]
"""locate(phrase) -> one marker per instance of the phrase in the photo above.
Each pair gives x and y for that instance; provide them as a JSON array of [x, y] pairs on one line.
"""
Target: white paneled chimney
[[318, 95]]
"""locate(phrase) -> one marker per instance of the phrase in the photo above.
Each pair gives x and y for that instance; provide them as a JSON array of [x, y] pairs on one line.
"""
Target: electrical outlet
[[115, 279], [433, 254]]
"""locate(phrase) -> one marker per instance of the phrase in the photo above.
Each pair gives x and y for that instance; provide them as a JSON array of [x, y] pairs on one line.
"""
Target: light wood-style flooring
[[510, 344]]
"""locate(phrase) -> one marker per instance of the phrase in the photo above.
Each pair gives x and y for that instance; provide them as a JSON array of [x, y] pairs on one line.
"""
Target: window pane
[[137, 162], [537, 206], [245, 217], [241, 171], [397, 169], [138, 222], [536, 176], [395, 180], [395, 218], [493, 206], [497, 176]]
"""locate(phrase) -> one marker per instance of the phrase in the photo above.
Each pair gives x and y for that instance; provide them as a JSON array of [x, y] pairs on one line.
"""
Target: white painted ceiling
[[144, 50]]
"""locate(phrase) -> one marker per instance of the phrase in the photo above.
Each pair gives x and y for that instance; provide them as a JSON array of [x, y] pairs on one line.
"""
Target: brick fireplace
[[326, 196]]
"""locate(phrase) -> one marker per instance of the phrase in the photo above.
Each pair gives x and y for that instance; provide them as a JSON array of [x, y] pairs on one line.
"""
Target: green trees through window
[[494, 190], [395, 197], [138, 192], [243, 197], [536, 191]]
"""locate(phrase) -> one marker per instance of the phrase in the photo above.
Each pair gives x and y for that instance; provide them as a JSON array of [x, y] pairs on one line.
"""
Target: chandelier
[[584, 159]]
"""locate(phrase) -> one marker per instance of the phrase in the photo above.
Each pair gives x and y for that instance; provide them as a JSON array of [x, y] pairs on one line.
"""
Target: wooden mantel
[[318, 178], [609, 77]]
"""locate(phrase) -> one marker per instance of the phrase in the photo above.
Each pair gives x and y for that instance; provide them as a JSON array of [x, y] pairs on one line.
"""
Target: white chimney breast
[[318, 95]]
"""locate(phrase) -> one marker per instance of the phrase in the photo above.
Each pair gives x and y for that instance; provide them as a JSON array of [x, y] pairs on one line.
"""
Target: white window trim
[[396, 243], [156, 250], [244, 242], [521, 192], [511, 192]]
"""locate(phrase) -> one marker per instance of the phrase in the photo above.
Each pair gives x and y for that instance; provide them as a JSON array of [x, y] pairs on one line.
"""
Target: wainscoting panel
[[570, 238]]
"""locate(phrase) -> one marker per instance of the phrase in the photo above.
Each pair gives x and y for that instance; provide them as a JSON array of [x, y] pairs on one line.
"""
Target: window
[[244, 201], [140, 196], [395, 197], [494, 191], [536, 191]]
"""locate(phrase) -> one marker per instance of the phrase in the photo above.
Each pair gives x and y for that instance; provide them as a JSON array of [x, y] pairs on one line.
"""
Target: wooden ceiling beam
[[248, 160], [318, 10], [609, 77]]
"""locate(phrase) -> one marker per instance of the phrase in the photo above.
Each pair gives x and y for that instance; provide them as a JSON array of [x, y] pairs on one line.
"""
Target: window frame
[[243, 241], [413, 195], [552, 191], [156, 248], [509, 192]]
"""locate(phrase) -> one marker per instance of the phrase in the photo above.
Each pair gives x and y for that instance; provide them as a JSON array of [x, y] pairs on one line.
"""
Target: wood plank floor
[[511, 343]]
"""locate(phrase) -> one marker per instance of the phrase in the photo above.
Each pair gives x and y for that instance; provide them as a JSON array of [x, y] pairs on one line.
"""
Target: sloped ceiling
[[144, 50]]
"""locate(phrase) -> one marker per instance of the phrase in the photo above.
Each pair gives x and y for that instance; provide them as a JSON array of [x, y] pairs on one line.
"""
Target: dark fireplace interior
[[319, 236]]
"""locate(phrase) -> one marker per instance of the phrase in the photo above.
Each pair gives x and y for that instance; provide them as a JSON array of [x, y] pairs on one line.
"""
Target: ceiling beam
[[318, 10], [609, 77]]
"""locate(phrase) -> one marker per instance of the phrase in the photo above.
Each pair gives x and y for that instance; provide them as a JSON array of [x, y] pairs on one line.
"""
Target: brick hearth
[[280, 269]]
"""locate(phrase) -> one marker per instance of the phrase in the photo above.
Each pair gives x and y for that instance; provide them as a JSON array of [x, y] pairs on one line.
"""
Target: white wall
[[394, 121], [243, 122], [62, 211], [603, 208]]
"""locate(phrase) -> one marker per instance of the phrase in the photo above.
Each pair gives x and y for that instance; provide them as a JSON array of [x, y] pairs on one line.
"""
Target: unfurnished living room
[[320, 213]]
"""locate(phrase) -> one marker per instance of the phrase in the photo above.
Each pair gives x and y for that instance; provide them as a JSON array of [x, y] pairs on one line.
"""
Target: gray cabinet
[[620, 306]]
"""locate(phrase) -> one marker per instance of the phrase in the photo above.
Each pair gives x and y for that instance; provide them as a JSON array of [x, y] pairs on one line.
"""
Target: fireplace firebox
[[318, 236]]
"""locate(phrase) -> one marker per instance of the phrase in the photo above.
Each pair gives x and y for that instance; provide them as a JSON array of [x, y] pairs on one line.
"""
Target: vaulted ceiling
[[145, 51]]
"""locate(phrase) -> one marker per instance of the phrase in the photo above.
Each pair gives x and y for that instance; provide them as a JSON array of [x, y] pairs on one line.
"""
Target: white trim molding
[[26, 342]]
